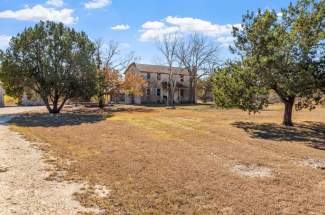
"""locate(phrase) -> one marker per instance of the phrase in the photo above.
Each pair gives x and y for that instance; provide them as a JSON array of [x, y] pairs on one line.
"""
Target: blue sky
[[134, 23]]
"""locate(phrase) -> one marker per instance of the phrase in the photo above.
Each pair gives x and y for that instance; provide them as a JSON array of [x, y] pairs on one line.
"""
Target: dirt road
[[23, 185]]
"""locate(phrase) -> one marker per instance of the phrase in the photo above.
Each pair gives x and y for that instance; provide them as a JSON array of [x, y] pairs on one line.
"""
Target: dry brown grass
[[161, 161]]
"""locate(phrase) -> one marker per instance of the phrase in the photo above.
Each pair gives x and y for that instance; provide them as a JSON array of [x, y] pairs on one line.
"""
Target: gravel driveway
[[23, 188]]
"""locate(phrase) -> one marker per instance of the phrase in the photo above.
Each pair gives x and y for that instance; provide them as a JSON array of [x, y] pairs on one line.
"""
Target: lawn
[[192, 160]]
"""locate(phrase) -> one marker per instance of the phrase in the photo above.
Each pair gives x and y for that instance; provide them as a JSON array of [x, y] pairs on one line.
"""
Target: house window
[[182, 93], [148, 92], [158, 76], [158, 92], [148, 76], [182, 78]]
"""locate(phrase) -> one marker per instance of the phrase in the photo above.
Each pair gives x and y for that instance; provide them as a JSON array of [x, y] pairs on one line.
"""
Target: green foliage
[[12, 86], [282, 53], [205, 89], [54, 61], [320, 73], [235, 86]]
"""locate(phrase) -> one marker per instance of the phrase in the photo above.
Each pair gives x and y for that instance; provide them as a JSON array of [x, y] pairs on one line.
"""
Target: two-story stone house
[[157, 78]]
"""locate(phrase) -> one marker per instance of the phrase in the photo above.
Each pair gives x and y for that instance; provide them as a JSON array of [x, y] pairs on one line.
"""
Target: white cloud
[[226, 41], [187, 25], [120, 27], [153, 34], [55, 3], [38, 12], [4, 41], [153, 25], [94, 4]]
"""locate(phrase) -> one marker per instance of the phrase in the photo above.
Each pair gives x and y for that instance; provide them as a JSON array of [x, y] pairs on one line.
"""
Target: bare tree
[[199, 56], [111, 53], [98, 53], [110, 62], [111, 56], [167, 45]]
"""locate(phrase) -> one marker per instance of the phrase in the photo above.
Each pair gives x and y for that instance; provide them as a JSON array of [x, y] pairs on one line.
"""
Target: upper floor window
[[182, 78], [148, 75], [148, 92], [158, 76]]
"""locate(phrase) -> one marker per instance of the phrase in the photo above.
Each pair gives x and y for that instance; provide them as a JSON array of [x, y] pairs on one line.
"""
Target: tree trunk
[[101, 102], [49, 109], [55, 108], [193, 83], [287, 117], [194, 90], [173, 95], [62, 104], [191, 91], [167, 99]]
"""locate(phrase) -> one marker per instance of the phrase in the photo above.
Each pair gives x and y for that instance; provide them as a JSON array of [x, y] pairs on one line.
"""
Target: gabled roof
[[160, 69]]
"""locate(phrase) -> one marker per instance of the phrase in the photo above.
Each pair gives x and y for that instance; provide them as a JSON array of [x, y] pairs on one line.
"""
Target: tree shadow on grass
[[311, 133], [58, 120], [71, 117], [109, 110]]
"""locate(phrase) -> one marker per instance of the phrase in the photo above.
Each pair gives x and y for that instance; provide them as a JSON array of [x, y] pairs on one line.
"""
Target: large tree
[[198, 55], [320, 73], [109, 63], [134, 84], [109, 81], [280, 52], [54, 61], [167, 46]]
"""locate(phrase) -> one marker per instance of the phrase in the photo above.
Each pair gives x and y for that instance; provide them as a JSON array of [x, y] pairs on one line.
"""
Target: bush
[[8, 100]]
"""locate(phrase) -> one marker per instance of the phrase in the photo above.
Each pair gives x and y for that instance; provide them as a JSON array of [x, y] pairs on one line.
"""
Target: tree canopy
[[134, 84], [283, 52], [199, 56], [108, 81], [109, 63], [54, 61]]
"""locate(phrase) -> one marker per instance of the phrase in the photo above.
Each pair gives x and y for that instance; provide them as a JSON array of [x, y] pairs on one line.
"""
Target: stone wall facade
[[156, 91]]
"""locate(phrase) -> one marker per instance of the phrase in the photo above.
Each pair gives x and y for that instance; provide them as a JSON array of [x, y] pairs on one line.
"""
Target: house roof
[[160, 69]]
